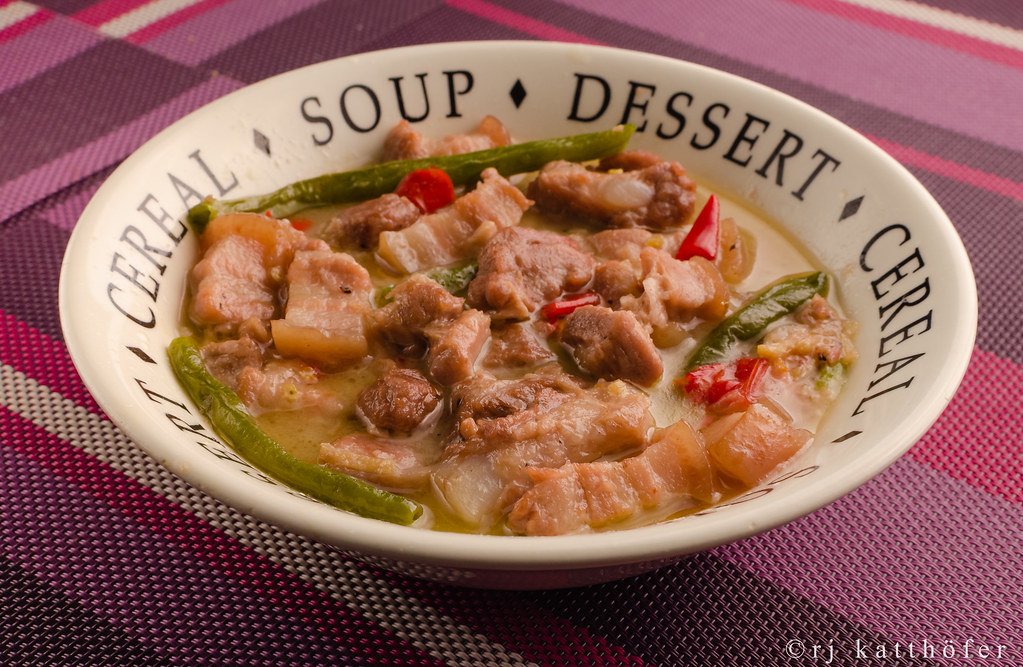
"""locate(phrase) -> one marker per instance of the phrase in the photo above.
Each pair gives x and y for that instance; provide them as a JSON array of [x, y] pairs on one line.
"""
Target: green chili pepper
[[776, 301], [362, 184], [454, 280], [232, 421]]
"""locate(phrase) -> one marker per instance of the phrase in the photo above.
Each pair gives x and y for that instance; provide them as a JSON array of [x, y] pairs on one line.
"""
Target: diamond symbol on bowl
[[261, 141], [517, 93], [850, 208]]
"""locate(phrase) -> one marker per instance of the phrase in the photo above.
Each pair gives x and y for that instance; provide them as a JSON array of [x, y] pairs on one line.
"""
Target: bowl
[[899, 270]]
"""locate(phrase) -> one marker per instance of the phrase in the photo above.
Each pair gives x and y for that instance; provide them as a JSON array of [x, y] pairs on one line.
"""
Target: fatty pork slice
[[405, 143], [658, 196], [398, 402], [399, 464], [360, 226], [611, 344], [328, 295], [283, 385], [231, 284], [425, 319], [673, 291], [515, 346], [544, 422], [521, 269], [671, 474], [455, 232], [749, 445]]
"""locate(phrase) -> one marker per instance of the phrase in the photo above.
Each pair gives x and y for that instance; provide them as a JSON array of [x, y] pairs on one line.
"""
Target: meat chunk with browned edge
[[658, 196], [611, 344], [403, 465], [515, 346], [398, 402], [360, 226], [673, 473], [456, 232], [521, 269], [544, 419], [405, 143], [225, 360], [425, 319], [328, 296]]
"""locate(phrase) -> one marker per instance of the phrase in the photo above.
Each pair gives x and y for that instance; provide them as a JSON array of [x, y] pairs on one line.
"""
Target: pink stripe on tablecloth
[[19, 192], [105, 10], [195, 537], [978, 438], [34, 20], [940, 36], [897, 73], [42, 358], [958, 172], [912, 540], [520, 22], [34, 52], [208, 34], [161, 26]]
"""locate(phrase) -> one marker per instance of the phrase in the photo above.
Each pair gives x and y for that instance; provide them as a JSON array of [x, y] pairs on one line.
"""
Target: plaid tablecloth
[[105, 558]]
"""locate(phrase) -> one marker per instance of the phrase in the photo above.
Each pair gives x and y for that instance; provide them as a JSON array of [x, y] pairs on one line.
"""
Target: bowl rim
[[468, 551]]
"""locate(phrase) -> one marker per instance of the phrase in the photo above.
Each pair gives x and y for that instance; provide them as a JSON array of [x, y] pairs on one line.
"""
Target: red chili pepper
[[301, 224], [726, 386], [555, 310], [702, 239], [429, 189]]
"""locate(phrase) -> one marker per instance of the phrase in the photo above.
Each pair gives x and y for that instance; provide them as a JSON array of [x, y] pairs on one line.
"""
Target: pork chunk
[[659, 196], [611, 344], [403, 465], [225, 360], [521, 269], [405, 143], [455, 345], [672, 473], [398, 402], [360, 226], [328, 295], [285, 385], [749, 445], [456, 232], [676, 291], [231, 284], [515, 346]]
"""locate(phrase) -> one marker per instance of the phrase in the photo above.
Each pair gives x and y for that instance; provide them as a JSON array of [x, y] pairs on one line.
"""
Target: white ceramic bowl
[[901, 270]]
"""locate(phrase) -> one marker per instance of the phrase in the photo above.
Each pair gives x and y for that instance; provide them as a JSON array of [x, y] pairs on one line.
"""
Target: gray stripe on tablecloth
[[82, 99], [318, 33], [708, 611], [1004, 12], [327, 570], [42, 626]]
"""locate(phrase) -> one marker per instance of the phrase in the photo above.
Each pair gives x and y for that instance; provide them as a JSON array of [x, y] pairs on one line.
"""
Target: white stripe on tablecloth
[[14, 12], [140, 17], [946, 20], [316, 564]]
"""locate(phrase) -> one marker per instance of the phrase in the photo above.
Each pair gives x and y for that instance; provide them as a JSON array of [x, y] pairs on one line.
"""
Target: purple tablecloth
[[105, 558]]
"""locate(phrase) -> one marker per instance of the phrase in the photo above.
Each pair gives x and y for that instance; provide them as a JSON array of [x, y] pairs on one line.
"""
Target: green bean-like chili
[[775, 301], [362, 184], [232, 421]]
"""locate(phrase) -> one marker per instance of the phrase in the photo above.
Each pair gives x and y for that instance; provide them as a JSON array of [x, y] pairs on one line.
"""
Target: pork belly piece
[[659, 196], [285, 385], [675, 291], [328, 295], [231, 284], [398, 402], [279, 240], [672, 473], [360, 226], [515, 346], [405, 143], [403, 465], [455, 232], [484, 468], [749, 445], [521, 269], [424, 318], [611, 344], [225, 360]]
